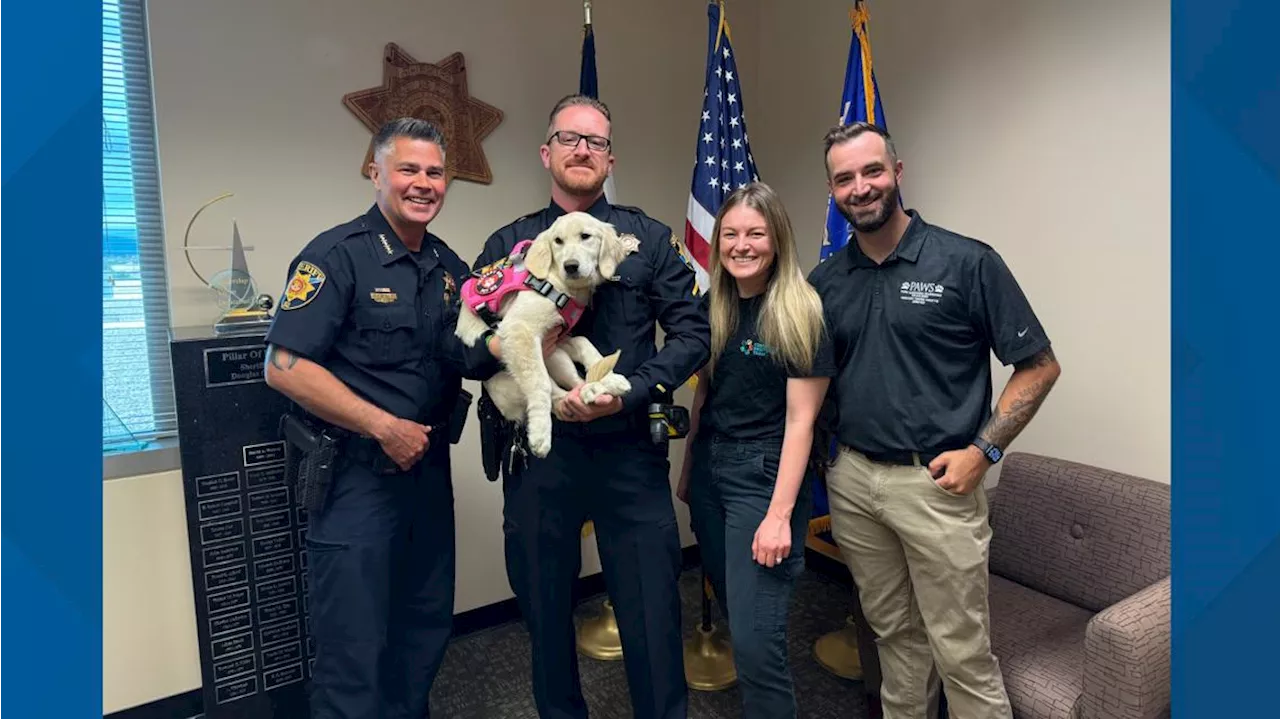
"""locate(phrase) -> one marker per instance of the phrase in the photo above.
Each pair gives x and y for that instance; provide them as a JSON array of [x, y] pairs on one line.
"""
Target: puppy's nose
[[571, 268]]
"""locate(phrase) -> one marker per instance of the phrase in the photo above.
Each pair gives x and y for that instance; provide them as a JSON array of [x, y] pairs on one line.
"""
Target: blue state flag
[[859, 102], [589, 85], [588, 81]]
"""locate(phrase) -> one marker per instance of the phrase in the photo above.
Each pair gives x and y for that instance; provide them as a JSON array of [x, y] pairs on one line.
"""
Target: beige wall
[[149, 648], [1040, 127], [1013, 119]]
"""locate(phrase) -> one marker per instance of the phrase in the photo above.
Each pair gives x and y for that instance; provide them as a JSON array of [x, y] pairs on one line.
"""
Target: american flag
[[724, 161]]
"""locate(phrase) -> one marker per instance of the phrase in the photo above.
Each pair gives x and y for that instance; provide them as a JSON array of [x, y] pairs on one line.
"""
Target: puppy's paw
[[539, 438], [590, 391], [615, 384], [611, 384]]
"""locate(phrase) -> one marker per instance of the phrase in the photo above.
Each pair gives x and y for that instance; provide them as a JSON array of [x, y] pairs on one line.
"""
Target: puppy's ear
[[613, 250], [538, 259]]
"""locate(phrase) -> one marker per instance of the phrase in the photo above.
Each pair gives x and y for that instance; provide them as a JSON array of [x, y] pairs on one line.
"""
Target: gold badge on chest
[[450, 288], [383, 295]]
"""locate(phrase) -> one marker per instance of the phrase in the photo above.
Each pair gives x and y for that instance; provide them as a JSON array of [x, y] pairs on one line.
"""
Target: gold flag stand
[[598, 637], [837, 652], [708, 655]]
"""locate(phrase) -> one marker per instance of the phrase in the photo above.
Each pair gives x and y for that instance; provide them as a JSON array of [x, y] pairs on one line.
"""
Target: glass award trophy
[[241, 309]]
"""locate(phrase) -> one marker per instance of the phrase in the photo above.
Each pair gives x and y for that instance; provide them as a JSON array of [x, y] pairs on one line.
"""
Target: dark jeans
[[730, 489]]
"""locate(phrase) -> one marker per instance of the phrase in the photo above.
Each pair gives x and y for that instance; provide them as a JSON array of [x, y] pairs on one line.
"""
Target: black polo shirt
[[913, 339], [378, 316]]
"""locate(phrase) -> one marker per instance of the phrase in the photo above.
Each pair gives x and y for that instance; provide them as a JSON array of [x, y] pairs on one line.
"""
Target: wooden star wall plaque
[[437, 93]]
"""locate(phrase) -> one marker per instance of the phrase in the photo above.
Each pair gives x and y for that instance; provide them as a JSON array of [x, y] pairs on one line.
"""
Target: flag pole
[[586, 11]]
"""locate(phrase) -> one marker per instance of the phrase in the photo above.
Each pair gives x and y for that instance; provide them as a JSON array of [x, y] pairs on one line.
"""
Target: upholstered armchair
[[1080, 590]]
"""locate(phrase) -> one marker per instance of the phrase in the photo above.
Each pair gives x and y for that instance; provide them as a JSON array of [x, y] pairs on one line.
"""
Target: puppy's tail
[[601, 369]]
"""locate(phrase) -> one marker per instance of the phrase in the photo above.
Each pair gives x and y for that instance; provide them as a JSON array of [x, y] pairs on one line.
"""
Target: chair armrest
[[1126, 657]]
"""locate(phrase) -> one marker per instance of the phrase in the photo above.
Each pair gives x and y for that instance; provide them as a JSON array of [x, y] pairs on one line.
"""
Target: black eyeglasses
[[571, 139]]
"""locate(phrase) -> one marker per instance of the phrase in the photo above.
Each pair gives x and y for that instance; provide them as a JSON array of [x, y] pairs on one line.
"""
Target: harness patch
[[491, 278]]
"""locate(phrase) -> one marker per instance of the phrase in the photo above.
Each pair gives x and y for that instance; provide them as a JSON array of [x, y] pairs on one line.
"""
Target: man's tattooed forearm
[[1006, 424], [1043, 358], [289, 358]]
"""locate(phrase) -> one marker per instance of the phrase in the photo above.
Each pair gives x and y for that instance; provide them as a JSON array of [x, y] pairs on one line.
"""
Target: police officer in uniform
[[363, 343], [603, 465]]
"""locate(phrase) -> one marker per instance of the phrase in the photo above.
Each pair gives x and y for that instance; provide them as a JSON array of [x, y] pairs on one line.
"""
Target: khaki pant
[[918, 554]]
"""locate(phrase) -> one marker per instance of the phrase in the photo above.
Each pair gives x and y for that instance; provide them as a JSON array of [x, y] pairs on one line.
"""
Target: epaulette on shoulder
[[630, 208], [514, 225], [527, 217], [353, 228], [322, 243]]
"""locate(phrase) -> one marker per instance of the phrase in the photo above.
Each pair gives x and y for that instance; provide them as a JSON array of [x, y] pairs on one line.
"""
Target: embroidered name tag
[[383, 295]]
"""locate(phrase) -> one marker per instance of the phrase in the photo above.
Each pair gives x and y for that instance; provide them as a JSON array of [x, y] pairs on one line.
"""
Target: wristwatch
[[990, 451]]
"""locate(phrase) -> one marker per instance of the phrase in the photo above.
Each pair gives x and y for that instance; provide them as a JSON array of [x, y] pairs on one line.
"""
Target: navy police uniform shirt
[[913, 339], [379, 317], [656, 283], [747, 395]]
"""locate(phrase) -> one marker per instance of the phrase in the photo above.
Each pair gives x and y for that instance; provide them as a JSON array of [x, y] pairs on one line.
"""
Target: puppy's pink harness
[[486, 287]]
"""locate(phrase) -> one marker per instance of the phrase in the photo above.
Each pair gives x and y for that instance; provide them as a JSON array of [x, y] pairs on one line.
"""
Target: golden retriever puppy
[[540, 286]]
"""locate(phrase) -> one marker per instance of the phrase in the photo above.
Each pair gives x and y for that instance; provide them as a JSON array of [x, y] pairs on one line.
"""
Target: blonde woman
[[746, 478]]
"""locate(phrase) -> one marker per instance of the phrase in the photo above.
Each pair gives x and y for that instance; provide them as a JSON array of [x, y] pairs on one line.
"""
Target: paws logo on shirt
[[922, 293], [754, 348], [303, 286]]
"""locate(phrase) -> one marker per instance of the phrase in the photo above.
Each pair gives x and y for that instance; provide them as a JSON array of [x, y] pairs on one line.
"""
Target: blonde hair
[[791, 321]]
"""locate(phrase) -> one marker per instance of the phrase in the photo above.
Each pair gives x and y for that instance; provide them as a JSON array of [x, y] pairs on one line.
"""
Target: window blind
[[137, 386]]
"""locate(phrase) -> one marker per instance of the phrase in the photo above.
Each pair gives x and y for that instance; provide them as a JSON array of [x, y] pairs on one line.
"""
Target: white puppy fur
[[527, 388]]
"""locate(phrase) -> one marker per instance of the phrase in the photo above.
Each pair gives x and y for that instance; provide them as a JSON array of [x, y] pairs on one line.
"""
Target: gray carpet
[[486, 674]]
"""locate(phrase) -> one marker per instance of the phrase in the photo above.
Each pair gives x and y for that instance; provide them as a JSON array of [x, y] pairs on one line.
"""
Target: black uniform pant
[[381, 564], [620, 481]]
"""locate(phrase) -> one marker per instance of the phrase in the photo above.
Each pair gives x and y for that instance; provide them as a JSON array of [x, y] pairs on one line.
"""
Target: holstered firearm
[[501, 441], [458, 418], [310, 458]]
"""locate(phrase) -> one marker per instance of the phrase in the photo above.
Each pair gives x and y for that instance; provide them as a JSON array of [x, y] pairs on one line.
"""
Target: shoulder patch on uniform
[[683, 253], [303, 286]]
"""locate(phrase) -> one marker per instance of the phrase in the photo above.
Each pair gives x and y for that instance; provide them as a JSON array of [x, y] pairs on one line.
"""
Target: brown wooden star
[[437, 93]]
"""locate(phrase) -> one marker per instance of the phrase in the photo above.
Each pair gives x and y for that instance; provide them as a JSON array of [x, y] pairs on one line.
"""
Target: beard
[[572, 180], [879, 214]]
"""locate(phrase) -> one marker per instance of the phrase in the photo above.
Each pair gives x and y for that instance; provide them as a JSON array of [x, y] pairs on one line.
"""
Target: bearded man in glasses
[[603, 465]]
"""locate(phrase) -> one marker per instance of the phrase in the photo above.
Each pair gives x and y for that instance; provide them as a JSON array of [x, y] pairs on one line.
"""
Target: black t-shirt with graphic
[[747, 398]]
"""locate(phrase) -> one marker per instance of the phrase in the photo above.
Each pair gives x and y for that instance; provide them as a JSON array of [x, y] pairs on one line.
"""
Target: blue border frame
[[1226, 181], [1226, 497], [51, 305]]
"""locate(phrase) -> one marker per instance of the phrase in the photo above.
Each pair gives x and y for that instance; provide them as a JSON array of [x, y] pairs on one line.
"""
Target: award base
[[242, 320]]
